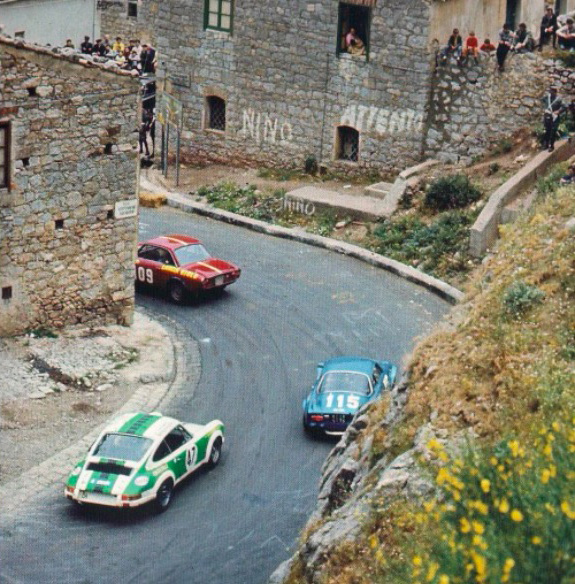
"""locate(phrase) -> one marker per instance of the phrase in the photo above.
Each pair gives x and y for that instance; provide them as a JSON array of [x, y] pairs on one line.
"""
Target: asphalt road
[[293, 306]]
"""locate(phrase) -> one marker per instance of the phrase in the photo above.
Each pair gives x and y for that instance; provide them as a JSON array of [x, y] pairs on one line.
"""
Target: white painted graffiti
[[263, 128], [381, 120], [298, 206]]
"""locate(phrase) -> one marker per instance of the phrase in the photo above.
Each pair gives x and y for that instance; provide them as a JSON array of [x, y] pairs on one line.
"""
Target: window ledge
[[218, 34], [349, 57], [216, 132]]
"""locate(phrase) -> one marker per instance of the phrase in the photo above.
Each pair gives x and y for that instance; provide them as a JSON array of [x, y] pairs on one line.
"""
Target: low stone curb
[[442, 289], [55, 469]]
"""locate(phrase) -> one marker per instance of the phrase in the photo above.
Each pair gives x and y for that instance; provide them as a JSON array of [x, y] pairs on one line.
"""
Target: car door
[[151, 263], [183, 450]]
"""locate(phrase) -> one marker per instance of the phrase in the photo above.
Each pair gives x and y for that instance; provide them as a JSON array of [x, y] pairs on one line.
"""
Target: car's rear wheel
[[164, 496], [176, 292], [215, 453]]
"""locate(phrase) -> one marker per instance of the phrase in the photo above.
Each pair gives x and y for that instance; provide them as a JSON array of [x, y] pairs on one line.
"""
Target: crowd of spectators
[[559, 30], [131, 55]]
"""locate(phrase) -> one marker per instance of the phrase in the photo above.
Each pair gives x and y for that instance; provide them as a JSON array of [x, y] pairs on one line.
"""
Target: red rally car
[[181, 266]]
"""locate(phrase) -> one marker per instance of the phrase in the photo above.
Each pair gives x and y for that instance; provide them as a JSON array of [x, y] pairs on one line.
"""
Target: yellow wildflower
[[480, 566], [433, 444], [417, 561], [508, 566], [566, 508], [373, 541], [493, 461], [536, 540], [478, 527], [483, 508], [443, 579], [550, 508], [479, 542], [545, 475], [516, 515], [556, 426], [485, 485], [433, 567], [465, 525], [514, 447], [504, 506]]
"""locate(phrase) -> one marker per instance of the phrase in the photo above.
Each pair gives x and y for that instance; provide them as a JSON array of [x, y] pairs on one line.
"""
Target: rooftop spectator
[[147, 59], [504, 46], [118, 46], [69, 44], [471, 46], [523, 40], [487, 46], [86, 47], [453, 47]]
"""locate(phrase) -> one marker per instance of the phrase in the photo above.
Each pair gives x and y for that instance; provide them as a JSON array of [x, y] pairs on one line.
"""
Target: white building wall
[[50, 22]]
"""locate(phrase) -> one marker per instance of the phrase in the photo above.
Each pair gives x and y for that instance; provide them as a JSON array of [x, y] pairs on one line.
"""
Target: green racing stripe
[[138, 424]]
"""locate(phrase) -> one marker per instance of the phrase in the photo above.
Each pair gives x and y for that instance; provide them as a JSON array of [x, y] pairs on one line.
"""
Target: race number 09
[[145, 274]]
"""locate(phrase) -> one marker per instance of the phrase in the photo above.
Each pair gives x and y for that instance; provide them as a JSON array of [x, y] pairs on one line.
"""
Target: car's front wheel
[[164, 496], [176, 292], [215, 453]]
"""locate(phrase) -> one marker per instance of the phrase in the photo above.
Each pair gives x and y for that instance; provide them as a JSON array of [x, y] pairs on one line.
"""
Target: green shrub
[[521, 297], [567, 57], [310, 165], [493, 168], [507, 513], [549, 183], [503, 146], [451, 192]]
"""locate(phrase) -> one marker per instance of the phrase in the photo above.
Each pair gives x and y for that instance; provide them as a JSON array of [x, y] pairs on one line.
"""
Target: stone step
[[308, 200], [378, 190]]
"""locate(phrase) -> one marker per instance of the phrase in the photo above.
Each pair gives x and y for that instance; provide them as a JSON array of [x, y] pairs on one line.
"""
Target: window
[[6, 292], [354, 21], [133, 8], [4, 155], [176, 438], [218, 15], [216, 113], [347, 144], [162, 451], [19, 34]]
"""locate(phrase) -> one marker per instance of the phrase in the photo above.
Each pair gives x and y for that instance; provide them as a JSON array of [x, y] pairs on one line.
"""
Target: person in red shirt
[[471, 46], [487, 46]]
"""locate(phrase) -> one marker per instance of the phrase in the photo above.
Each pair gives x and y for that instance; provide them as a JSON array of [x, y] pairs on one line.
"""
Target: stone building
[[271, 82], [68, 180]]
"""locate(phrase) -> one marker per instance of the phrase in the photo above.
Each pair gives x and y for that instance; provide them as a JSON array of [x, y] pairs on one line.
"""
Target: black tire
[[215, 453], [176, 292], [164, 496]]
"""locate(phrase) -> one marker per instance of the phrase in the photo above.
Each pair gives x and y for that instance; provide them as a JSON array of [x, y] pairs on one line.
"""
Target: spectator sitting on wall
[[135, 45], [553, 107], [548, 27], [69, 44], [118, 45], [569, 178], [134, 59], [147, 59], [566, 36], [86, 46], [487, 46], [523, 40], [453, 46], [471, 46], [505, 41], [106, 42], [99, 48]]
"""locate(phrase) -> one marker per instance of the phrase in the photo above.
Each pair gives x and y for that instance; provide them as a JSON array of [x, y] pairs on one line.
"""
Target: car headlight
[[141, 481]]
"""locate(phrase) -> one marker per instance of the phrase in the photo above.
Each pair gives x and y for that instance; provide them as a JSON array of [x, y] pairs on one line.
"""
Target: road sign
[[170, 111]]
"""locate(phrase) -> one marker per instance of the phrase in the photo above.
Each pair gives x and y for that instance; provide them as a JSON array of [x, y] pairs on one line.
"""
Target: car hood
[[340, 402], [210, 268]]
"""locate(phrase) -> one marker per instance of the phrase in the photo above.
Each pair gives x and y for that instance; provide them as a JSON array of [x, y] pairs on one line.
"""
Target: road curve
[[293, 306]]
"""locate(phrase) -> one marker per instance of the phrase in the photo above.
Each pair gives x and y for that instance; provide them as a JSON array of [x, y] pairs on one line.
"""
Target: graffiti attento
[[381, 120], [262, 127], [298, 206]]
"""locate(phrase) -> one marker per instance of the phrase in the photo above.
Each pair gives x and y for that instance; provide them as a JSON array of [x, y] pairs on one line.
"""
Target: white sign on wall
[[124, 209]]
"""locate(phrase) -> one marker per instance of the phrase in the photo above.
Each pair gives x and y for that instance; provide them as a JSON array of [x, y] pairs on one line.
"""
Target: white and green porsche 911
[[139, 458]]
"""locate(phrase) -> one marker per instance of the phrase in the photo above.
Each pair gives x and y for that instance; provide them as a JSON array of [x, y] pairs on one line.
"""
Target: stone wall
[[287, 91], [114, 21], [65, 257], [474, 106]]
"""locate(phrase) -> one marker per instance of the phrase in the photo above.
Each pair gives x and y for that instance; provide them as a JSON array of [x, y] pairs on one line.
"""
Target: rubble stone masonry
[[287, 90], [65, 255]]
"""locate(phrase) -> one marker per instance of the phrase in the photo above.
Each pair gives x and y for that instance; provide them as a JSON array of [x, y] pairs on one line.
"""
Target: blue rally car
[[342, 386]]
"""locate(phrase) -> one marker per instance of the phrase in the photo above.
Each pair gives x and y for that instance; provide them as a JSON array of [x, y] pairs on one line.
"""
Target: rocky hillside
[[464, 473]]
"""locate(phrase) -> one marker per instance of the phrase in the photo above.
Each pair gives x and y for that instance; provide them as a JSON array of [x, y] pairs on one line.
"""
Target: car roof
[[153, 426], [359, 364], [172, 242]]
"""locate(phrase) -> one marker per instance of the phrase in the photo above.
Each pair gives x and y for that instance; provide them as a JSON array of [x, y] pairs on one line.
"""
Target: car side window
[[176, 438], [165, 257], [149, 252], [162, 451], [377, 371]]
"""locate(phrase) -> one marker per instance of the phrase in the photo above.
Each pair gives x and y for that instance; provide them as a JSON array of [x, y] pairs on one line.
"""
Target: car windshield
[[348, 381], [189, 254], [122, 447]]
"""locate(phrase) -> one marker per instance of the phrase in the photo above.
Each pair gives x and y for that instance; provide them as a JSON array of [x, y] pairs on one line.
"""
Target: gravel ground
[[55, 390]]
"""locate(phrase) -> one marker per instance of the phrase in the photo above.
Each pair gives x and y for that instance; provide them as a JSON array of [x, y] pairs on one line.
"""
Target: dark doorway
[[513, 12]]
